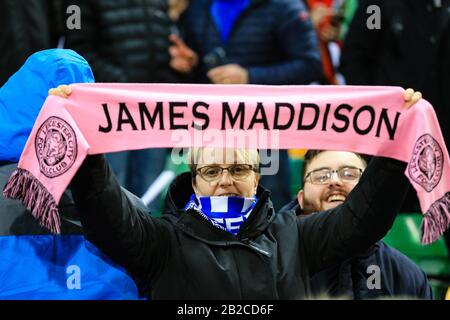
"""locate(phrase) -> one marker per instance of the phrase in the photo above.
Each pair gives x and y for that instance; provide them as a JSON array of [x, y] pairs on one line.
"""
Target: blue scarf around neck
[[226, 213]]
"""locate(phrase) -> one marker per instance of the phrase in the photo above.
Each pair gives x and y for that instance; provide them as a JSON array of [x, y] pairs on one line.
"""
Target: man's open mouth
[[336, 197]]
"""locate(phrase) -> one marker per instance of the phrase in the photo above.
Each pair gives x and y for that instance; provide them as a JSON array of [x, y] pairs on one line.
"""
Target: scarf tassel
[[436, 220], [23, 186]]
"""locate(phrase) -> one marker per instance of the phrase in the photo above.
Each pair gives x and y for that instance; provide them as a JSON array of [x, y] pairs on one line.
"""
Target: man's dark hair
[[311, 154]]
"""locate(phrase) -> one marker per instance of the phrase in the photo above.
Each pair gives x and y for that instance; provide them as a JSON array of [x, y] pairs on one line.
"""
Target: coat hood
[[23, 95]]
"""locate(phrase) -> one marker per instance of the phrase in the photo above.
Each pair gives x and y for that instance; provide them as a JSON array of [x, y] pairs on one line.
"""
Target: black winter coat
[[124, 40], [398, 275], [183, 256], [27, 27], [411, 49]]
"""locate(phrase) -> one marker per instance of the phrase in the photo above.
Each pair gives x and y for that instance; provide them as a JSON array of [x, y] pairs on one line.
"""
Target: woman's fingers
[[61, 91], [411, 97], [416, 96], [408, 94], [66, 89]]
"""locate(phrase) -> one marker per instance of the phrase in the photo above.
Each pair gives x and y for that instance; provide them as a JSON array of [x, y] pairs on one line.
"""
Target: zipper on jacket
[[244, 241]]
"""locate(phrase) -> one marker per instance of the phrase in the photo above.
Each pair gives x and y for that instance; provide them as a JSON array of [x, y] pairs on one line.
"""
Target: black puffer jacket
[[124, 40], [411, 49], [184, 256], [27, 27]]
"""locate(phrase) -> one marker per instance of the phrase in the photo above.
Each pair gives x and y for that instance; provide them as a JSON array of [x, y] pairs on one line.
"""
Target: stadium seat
[[177, 167], [296, 165], [433, 259], [405, 236]]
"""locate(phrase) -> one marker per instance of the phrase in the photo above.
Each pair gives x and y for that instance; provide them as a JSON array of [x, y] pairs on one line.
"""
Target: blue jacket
[[23, 95], [273, 39], [354, 278], [35, 264]]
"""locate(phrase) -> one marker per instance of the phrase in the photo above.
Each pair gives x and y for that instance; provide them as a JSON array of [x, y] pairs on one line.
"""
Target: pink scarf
[[100, 118]]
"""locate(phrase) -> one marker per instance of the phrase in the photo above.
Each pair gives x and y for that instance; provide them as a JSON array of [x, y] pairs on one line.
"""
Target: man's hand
[[228, 74], [319, 13], [411, 97], [62, 91], [182, 58], [327, 32]]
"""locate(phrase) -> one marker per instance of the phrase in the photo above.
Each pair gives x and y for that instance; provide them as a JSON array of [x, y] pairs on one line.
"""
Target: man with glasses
[[380, 271]]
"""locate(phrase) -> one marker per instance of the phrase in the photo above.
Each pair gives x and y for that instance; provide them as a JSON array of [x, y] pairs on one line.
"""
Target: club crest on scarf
[[56, 147], [427, 162], [226, 213]]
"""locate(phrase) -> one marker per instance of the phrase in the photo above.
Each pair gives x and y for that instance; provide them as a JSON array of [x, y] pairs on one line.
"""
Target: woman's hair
[[246, 156]]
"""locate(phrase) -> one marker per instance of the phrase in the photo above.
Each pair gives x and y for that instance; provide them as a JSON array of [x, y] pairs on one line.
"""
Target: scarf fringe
[[23, 186], [436, 220]]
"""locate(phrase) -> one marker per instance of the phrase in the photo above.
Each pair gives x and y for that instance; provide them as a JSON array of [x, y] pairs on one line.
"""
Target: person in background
[[27, 27], [249, 42], [330, 18], [329, 177], [128, 41], [410, 33]]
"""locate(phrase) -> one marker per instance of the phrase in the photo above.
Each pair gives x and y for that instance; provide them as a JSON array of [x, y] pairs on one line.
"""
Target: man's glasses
[[214, 173], [323, 176]]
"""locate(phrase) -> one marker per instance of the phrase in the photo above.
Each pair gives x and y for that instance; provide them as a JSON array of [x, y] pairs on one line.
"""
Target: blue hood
[[23, 95]]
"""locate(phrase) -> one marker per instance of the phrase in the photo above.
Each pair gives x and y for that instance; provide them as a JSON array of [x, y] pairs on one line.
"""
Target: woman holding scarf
[[219, 236]]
